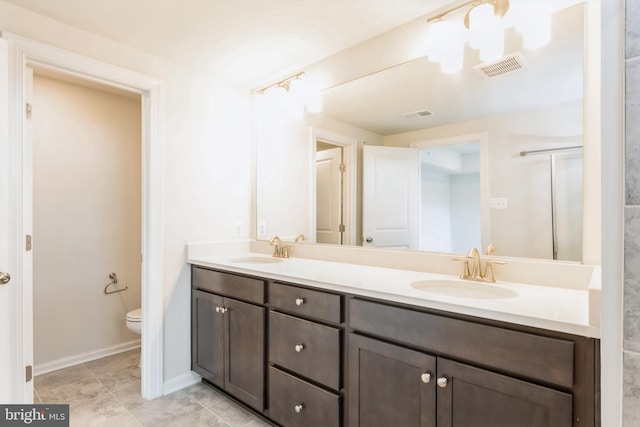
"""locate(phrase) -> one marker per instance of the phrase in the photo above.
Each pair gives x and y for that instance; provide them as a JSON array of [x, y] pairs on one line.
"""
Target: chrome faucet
[[472, 266], [280, 250]]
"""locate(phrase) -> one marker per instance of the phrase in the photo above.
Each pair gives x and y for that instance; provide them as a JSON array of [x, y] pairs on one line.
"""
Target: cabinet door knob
[[298, 408], [217, 309], [442, 382], [223, 310], [426, 377], [300, 301], [299, 347]]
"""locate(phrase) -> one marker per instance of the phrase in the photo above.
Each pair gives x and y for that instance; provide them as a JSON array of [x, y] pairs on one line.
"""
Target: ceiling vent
[[416, 114], [505, 65]]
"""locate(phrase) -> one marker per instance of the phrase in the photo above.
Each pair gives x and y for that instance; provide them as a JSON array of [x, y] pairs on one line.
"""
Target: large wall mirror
[[438, 162]]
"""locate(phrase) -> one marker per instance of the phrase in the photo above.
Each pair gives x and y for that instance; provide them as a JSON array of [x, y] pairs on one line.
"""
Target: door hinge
[[28, 242], [343, 167], [342, 228], [28, 373], [28, 110]]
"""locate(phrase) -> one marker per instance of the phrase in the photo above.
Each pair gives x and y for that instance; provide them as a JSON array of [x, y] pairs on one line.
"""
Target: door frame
[[350, 178], [24, 52]]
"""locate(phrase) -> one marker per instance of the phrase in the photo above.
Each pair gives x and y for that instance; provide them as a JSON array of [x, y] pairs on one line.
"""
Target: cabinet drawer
[[306, 302], [545, 359], [307, 348], [240, 287], [293, 402]]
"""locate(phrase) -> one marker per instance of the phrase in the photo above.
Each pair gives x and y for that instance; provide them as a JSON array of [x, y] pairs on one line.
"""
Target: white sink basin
[[258, 260], [464, 289]]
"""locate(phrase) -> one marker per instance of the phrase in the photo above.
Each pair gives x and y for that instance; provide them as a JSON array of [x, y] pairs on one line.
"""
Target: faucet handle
[[278, 247], [285, 251], [466, 272], [490, 249], [488, 269]]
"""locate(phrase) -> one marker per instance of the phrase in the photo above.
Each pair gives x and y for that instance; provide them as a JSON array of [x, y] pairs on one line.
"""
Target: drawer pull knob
[[299, 347], [298, 408], [300, 301], [442, 382], [426, 377]]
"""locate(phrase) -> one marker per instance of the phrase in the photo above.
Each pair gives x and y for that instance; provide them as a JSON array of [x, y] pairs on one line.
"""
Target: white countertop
[[552, 308]]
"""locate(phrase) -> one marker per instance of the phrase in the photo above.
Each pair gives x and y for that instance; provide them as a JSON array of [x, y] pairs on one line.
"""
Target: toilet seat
[[135, 315]]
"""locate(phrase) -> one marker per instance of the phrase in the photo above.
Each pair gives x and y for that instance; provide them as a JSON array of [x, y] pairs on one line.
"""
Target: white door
[[8, 290], [329, 196], [391, 195]]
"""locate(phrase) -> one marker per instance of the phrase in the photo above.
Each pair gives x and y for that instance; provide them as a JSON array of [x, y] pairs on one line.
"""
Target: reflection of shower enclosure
[[565, 173]]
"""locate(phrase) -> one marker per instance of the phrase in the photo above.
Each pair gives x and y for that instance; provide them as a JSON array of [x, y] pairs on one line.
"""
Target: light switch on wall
[[237, 229]]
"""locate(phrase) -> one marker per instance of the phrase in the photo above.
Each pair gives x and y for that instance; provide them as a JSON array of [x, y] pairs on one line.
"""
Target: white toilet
[[134, 320]]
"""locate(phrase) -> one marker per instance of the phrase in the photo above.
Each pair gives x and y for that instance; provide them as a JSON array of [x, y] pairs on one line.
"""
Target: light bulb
[[482, 17], [535, 29], [453, 58], [492, 47], [439, 33]]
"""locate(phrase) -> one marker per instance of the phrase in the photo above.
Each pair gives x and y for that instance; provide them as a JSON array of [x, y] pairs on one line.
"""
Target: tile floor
[[106, 393]]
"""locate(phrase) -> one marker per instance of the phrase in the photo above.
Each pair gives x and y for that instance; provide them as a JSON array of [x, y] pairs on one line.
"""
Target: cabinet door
[[207, 337], [245, 352], [390, 385], [473, 397]]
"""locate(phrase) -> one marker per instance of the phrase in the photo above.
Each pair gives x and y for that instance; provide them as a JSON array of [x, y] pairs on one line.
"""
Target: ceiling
[[250, 42]]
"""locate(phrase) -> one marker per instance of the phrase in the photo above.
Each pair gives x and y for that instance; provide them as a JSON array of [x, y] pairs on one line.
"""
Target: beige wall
[[87, 214]]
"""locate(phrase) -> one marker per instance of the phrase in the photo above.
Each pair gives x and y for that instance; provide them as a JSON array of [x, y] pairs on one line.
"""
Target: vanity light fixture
[[483, 25], [295, 95]]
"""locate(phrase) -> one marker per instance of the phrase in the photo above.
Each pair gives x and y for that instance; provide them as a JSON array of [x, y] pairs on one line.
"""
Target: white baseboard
[[65, 362], [180, 382]]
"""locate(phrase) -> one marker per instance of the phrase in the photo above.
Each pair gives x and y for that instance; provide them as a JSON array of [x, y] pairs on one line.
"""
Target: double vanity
[[315, 342]]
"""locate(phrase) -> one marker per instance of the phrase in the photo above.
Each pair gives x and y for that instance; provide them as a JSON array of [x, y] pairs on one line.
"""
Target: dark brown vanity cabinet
[[390, 385], [393, 385], [414, 368], [228, 335], [305, 356]]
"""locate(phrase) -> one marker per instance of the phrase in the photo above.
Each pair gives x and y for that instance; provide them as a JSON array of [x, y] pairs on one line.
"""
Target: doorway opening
[[330, 203], [450, 211], [332, 188], [87, 212]]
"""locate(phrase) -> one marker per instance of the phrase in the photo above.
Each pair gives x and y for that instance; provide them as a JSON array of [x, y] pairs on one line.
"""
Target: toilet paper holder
[[114, 281]]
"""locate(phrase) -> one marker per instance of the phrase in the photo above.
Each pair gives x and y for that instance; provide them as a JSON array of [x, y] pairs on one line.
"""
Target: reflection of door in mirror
[[390, 197], [329, 194], [427, 199]]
